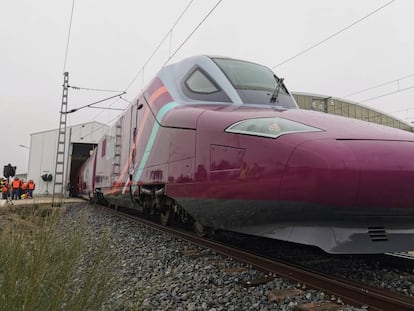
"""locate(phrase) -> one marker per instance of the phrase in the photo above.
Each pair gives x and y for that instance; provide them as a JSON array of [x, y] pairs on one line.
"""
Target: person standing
[[30, 188], [16, 184]]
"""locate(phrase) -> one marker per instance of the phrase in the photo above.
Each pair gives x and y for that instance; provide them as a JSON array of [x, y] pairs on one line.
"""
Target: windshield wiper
[[275, 94]]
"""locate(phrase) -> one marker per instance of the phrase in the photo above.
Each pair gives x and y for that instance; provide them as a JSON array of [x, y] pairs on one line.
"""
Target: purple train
[[221, 143]]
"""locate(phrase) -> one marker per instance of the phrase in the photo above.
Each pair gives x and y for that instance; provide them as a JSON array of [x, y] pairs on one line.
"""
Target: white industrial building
[[80, 140]]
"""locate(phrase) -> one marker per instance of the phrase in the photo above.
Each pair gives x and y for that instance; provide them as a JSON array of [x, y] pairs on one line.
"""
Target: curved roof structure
[[350, 109]]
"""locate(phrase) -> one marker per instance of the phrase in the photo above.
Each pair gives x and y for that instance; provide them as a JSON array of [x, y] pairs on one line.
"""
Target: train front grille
[[377, 234]]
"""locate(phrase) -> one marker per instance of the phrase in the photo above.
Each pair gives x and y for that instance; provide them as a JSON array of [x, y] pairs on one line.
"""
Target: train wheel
[[166, 216], [199, 229]]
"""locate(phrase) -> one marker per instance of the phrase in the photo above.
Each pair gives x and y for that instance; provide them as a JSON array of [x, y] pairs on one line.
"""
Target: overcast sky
[[111, 40]]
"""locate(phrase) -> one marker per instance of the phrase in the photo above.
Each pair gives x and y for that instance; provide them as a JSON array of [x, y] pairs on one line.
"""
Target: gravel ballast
[[154, 271]]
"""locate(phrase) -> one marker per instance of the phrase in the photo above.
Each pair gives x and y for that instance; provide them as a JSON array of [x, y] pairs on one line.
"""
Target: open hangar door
[[80, 153]]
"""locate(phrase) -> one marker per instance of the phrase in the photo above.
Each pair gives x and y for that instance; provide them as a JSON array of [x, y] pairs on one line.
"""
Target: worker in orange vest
[[16, 184], [30, 188]]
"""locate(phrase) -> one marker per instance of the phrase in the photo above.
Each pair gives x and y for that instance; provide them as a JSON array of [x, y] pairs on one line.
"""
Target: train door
[[136, 119], [94, 172]]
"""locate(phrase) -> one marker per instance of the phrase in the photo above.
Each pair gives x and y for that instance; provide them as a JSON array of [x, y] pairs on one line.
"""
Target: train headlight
[[269, 127]]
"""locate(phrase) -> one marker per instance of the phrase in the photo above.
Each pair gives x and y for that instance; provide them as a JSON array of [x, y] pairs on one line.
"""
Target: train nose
[[351, 173]]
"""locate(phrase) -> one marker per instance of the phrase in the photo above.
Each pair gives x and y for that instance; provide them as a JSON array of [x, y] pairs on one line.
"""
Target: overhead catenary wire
[[159, 45], [192, 33], [108, 108], [120, 93], [97, 102], [110, 105], [388, 94], [68, 38], [378, 85], [125, 100], [408, 118], [402, 110], [93, 89], [334, 34]]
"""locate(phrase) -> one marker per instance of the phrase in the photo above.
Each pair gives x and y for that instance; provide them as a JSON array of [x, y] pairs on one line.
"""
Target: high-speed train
[[221, 143]]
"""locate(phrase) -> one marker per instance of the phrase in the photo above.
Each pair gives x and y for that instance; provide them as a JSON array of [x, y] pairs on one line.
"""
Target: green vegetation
[[46, 263]]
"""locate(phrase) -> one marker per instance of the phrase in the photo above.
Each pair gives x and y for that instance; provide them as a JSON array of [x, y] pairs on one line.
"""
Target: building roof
[[336, 99], [72, 126]]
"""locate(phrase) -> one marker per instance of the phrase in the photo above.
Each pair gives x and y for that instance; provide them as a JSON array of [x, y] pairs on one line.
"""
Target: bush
[[45, 265]]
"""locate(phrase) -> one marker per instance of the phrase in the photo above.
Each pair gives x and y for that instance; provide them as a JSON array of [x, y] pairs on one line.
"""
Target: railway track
[[350, 292]]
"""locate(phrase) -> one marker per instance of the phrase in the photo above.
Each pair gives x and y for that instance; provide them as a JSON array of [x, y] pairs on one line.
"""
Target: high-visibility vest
[[31, 185], [24, 186], [16, 184], [4, 188]]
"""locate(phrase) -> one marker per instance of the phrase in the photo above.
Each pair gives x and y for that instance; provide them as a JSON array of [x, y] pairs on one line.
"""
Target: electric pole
[[58, 180]]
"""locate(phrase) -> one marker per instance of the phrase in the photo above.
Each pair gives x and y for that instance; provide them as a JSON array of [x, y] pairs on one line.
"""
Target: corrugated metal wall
[[348, 109]]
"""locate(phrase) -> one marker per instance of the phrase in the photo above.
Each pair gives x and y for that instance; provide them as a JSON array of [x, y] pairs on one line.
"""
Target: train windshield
[[245, 75], [256, 84]]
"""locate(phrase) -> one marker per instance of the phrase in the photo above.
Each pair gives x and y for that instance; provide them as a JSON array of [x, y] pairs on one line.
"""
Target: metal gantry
[[58, 180]]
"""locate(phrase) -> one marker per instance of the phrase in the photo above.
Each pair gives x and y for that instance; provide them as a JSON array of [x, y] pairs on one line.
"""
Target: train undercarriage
[[151, 202]]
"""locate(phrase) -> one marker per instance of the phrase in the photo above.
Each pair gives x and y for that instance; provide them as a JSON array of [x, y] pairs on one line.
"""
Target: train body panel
[[221, 142]]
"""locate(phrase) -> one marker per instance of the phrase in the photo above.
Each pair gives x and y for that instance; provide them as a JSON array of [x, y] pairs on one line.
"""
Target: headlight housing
[[269, 127]]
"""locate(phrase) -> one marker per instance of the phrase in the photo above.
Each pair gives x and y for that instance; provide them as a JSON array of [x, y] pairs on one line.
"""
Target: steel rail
[[353, 293]]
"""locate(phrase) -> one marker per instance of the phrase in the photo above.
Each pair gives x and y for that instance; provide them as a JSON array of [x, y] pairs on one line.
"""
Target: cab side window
[[198, 85], [197, 82]]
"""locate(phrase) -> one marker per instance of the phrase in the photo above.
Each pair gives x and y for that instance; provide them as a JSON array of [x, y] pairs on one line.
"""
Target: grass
[[44, 266]]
